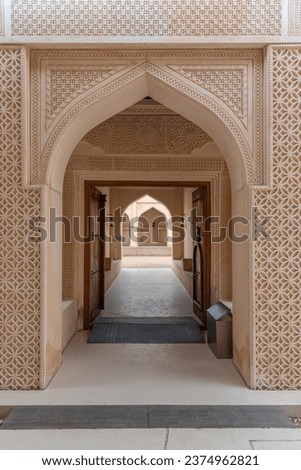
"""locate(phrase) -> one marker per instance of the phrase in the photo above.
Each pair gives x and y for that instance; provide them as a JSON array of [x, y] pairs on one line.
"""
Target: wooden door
[[94, 263], [201, 251]]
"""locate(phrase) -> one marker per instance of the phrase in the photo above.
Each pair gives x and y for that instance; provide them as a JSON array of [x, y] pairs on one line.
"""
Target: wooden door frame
[[90, 184]]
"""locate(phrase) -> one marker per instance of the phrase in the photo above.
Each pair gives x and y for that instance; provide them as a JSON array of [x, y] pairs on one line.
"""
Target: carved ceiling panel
[[150, 134]]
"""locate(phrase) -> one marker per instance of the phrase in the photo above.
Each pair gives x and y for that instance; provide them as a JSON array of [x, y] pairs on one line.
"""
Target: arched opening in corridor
[[146, 234]]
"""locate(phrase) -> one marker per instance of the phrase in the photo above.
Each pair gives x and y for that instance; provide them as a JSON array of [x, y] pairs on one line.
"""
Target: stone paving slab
[[277, 445], [77, 417], [143, 416], [219, 417]]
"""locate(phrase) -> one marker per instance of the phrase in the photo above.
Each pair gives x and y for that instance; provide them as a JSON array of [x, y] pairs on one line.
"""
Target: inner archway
[[147, 233]]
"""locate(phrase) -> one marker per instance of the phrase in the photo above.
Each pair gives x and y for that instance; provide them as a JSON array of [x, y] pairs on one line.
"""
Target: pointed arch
[[193, 103]]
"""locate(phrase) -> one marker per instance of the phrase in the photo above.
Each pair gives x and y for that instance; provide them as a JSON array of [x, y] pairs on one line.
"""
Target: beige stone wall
[[225, 248], [20, 290], [267, 341], [277, 272], [227, 84], [87, 19], [68, 259], [2, 14], [90, 21], [294, 19]]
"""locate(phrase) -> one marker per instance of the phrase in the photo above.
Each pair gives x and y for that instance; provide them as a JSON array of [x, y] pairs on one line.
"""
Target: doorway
[[123, 238], [146, 234]]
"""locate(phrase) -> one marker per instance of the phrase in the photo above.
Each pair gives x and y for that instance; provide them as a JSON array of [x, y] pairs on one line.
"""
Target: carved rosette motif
[[20, 258], [277, 262], [145, 18]]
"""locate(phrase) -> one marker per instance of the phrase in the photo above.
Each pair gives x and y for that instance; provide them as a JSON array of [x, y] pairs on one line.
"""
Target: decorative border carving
[[2, 20], [147, 107], [206, 101], [277, 274], [64, 83], [141, 163], [228, 82], [39, 167], [294, 18], [145, 18], [250, 140], [20, 288]]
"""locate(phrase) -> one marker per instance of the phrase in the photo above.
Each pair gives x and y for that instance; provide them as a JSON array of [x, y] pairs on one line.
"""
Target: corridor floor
[[147, 292], [147, 374]]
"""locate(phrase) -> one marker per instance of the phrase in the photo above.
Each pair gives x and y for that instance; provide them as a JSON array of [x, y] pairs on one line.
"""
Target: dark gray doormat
[[147, 330], [146, 416]]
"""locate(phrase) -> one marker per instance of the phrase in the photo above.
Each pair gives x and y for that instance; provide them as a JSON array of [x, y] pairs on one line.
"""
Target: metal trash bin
[[219, 330]]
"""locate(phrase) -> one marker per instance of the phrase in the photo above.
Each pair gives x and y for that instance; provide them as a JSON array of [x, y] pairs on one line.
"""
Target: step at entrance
[[146, 416]]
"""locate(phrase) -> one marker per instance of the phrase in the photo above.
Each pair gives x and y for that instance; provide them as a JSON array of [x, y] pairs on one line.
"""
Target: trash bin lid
[[218, 311]]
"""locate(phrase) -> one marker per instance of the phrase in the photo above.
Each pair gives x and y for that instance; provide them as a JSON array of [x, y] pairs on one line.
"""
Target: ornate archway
[[122, 81], [210, 88]]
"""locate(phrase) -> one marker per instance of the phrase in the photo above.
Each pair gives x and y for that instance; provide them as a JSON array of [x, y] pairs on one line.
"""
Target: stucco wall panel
[[145, 18], [20, 259], [277, 271]]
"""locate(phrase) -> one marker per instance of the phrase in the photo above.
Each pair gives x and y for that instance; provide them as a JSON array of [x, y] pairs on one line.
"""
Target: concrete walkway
[[147, 374], [152, 439]]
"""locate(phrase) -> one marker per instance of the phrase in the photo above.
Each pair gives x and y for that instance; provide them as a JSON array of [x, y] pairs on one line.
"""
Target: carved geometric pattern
[[229, 83], [135, 165], [20, 258], [225, 248], [68, 259], [294, 18], [277, 263], [2, 26], [147, 134], [147, 107], [143, 18], [39, 168], [64, 83], [219, 111], [253, 160]]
